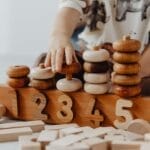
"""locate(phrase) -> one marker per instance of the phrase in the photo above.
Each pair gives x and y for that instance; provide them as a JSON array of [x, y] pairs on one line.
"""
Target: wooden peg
[[31, 104], [2, 110], [120, 111]]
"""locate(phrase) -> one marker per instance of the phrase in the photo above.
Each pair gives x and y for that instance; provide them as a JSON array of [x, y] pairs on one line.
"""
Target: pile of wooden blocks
[[35, 135]]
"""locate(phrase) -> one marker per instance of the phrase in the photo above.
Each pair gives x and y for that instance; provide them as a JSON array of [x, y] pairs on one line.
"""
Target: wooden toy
[[98, 67], [126, 69], [29, 142], [14, 133], [18, 71], [69, 84], [127, 45], [36, 126], [41, 72], [96, 78], [139, 126], [2, 110], [121, 112], [96, 56], [125, 58]]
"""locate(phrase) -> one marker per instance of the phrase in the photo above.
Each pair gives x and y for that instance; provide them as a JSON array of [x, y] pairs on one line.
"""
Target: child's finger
[[53, 55], [69, 55], [59, 59], [47, 61]]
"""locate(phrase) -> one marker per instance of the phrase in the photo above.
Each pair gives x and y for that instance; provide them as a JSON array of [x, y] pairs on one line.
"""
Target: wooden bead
[[18, 82], [18, 71], [126, 91], [126, 57], [42, 84], [125, 79], [96, 88], [42, 73], [69, 85], [96, 77], [96, 67], [96, 56], [70, 69], [127, 69], [127, 45]]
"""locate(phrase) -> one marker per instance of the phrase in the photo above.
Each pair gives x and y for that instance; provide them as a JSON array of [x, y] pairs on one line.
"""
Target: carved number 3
[[122, 103], [66, 114]]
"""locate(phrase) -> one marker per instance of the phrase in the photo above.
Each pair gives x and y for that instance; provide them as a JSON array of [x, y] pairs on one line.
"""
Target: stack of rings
[[126, 67]]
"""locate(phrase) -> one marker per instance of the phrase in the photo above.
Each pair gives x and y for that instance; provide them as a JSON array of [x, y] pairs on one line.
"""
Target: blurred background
[[24, 31]]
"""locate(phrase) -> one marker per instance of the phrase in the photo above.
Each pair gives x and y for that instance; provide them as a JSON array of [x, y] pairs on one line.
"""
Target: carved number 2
[[122, 103]]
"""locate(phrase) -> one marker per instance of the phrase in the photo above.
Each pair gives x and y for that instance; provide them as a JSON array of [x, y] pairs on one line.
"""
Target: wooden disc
[[96, 78], [126, 79], [18, 71], [101, 67], [126, 69], [126, 91], [96, 88], [126, 58], [139, 126], [18, 82], [96, 56], [127, 45], [69, 85], [42, 84]]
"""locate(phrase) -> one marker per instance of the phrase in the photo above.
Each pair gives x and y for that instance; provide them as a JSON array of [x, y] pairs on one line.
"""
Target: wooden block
[[145, 146], [85, 115], [8, 98], [121, 112], [126, 145], [47, 136], [13, 134], [68, 140], [2, 110], [114, 137], [139, 126], [127, 136], [58, 107], [29, 143], [36, 126], [98, 132], [31, 104], [97, 143], [58, 127]]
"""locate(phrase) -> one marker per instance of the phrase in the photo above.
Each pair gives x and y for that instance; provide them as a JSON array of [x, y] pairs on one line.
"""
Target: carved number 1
[[121, 112]]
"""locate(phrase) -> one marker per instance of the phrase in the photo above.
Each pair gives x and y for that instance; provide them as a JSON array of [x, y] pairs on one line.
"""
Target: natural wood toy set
[[94, 105]]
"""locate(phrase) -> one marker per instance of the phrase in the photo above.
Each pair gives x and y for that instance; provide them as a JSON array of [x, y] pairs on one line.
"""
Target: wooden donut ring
[[127, 45], [126, 69], [96, 78], [69, 85], [42, 84], [125, 79], [96, 56], [126, 91], [71, 69], [96, 88], [101, 67], [126, 57], [18, 71], [42, 73], [18, 82]]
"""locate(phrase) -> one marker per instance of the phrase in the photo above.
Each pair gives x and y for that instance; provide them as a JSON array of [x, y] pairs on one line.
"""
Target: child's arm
[[60, 45]]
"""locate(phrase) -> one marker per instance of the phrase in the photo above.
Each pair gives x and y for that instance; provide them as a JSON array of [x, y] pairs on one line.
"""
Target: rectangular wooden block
[[62, 126], [13, 134], [36, 126], [48, 136]]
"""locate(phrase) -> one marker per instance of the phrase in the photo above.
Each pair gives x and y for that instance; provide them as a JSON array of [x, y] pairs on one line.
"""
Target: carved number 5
[[126, 114]]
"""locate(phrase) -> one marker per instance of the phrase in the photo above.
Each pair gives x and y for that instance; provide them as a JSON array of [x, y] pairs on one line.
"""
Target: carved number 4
[[121, 112]]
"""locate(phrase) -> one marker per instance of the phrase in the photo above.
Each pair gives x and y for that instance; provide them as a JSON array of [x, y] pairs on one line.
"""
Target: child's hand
[[60, 51]]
